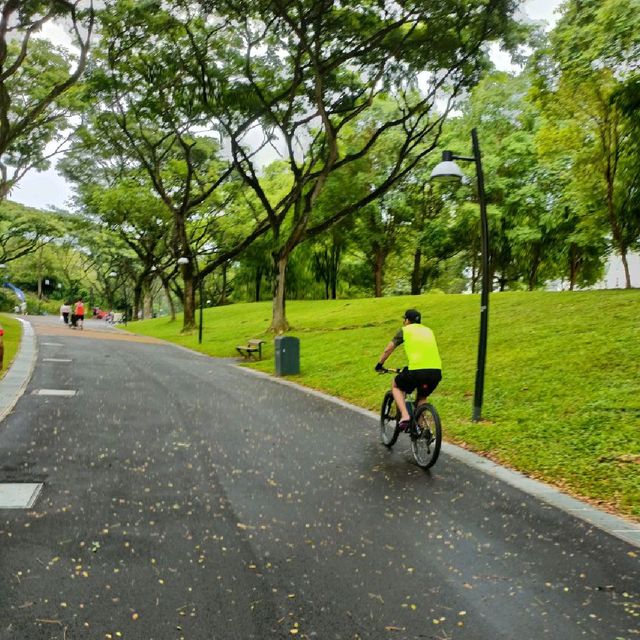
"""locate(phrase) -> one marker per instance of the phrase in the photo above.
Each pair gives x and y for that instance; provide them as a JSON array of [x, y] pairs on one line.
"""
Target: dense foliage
[[37, 81], [284, 150]]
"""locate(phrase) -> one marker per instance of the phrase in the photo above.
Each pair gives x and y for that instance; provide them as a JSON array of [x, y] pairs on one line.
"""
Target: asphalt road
[[186, 498]]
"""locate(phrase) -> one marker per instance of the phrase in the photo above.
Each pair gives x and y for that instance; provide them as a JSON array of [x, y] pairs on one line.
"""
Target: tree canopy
[[287, 147]]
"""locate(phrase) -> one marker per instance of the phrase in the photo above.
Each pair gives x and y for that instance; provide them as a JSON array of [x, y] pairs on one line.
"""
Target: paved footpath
[[183, 497]]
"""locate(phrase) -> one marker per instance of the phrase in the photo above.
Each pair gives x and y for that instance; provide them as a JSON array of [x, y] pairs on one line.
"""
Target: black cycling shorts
[[424, 380]]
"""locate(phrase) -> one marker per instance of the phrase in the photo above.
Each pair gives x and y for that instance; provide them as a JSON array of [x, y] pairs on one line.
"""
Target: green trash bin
[[287, 350]]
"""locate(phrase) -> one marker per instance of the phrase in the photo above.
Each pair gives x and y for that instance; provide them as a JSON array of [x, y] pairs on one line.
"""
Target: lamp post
[[185, 260], [448, 171]]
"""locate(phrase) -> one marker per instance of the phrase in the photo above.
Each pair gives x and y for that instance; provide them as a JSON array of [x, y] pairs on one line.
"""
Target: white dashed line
[[19, 495], [54, 392]]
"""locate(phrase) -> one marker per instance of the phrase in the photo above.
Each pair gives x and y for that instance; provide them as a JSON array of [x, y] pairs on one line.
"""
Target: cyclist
[[425, 367]]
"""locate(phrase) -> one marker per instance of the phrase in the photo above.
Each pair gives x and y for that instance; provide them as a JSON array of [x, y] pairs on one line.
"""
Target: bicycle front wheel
[[389, 420], [427, 439]]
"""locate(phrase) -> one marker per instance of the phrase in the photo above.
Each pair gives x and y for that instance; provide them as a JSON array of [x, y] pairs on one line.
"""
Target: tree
[[36, 82], [23, 230], [593, 51], [328, 252], [145, 120], [303, 72]]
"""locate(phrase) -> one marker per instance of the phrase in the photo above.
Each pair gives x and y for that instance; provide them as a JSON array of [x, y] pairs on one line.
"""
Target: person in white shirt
[[65, 310]]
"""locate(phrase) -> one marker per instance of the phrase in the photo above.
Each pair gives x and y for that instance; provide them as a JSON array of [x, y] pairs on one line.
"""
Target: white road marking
[[52, 344], [19, 495], [54, 392], [57, 360]]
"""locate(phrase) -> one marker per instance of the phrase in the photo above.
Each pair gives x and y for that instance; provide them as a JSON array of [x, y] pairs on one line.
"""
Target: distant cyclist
[[424, 371]]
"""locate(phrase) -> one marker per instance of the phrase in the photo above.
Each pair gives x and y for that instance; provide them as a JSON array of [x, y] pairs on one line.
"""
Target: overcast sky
[[48, 189]]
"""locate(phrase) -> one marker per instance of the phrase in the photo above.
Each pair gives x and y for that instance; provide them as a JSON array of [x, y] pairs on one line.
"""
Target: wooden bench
[[252, 347]]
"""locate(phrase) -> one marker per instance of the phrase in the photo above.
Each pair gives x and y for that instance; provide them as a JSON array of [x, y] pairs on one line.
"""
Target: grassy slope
[[562, 399], [12, 334]]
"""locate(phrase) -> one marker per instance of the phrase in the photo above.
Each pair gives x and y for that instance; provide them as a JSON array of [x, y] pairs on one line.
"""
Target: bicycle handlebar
[[385, 370]]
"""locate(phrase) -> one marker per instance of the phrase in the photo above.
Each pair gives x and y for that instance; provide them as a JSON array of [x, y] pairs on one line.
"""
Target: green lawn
[[12, 334]]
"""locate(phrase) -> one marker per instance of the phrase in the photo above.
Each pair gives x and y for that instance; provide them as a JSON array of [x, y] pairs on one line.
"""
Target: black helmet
[[412, 315]]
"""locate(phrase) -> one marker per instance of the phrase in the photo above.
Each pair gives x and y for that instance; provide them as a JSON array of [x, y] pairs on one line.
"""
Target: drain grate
[[19, 495]]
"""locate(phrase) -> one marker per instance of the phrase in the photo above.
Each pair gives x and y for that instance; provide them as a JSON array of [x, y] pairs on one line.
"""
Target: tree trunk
[[258, 283], [618, 236], [336, 254], [188, 273], [137, 300], [172, 305], [223, 297], [147, 305], [416, 280], [279, 322], [378, 272], [40, 274], [573, 267], [189, 305], [474, 273], [533, 271], [188, 298], [627, 273]]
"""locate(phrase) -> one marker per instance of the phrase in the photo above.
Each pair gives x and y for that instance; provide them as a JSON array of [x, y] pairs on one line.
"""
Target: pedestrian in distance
[[65, 310], [424, 371], [79, 313]]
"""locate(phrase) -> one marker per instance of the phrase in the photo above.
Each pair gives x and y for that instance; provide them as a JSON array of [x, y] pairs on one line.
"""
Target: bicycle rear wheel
[[427, 438], [389, 419]]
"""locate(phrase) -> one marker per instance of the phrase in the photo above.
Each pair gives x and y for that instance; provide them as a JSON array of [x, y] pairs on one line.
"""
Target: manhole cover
[[19, 495]]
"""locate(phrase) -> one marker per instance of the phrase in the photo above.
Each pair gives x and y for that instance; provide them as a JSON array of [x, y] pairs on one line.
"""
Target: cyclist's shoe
[[404, 425]]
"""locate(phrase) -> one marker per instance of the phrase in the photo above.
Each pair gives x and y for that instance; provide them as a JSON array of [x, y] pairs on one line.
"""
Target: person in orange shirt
[[78, 311]]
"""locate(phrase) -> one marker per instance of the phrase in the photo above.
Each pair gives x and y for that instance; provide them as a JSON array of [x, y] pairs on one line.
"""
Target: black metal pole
[[486, 284], [200, 325], [201, 290]]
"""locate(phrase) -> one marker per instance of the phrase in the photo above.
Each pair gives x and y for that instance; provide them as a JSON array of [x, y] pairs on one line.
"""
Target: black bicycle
[[425, 429]]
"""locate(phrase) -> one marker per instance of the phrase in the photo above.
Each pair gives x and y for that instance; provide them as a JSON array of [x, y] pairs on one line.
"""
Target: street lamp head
[[112, 274], [183, 260], [447, 170]]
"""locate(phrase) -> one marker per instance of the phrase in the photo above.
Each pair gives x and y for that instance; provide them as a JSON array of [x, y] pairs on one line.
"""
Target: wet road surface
[[185, 498]]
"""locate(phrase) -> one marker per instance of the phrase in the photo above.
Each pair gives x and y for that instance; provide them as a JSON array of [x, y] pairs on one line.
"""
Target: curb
[[15, 381], [616, 526]]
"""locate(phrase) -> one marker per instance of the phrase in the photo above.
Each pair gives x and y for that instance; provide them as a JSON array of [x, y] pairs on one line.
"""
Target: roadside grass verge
[[12, 336], [562, 389]]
